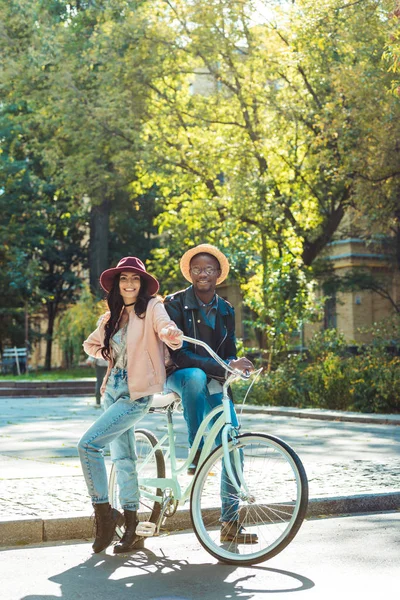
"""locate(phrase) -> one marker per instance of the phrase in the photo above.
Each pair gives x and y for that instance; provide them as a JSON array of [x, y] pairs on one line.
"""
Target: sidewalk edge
[[21, 532], [321, 416]]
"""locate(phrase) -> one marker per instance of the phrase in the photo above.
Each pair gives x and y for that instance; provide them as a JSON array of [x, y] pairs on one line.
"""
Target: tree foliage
[[41, 228], [252, 125], [263, 133], [76, 323], [76, 66]]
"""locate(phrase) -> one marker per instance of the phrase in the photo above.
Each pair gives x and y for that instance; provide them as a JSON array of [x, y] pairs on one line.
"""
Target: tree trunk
[[397, 237], [312, 249], [98, 246], [51, 317]]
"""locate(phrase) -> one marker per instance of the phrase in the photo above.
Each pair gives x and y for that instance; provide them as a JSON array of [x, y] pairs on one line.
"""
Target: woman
[[130, 337]]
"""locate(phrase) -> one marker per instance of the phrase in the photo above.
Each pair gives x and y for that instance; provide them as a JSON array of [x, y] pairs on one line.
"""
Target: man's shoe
[[234, 532], [106, 520], [129, 541], [193, 465]]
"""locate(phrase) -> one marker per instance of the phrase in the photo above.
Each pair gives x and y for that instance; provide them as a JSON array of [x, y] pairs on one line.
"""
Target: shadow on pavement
[[151, 577]]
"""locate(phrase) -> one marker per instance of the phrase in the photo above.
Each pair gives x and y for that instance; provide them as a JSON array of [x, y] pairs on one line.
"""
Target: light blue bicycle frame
[[229, 435]]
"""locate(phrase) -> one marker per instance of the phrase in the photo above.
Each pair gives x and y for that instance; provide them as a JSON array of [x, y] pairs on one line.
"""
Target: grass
[[53, 375]]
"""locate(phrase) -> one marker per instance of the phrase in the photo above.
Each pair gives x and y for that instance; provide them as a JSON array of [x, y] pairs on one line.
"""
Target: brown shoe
[[106, 520], [129, 541], [234, 532]]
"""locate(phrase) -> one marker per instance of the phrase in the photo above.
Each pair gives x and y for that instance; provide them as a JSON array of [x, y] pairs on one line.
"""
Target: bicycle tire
[[145, 441], [278, 485]]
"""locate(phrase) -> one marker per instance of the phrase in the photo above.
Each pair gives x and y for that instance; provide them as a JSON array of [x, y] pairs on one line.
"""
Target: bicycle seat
[[164, 400]]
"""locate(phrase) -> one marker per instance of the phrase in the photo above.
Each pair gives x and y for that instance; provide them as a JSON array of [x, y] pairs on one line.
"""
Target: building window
[[330, 321]]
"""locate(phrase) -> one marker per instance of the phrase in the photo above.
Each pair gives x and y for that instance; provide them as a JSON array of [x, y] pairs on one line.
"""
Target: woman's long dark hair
[[115, 304]]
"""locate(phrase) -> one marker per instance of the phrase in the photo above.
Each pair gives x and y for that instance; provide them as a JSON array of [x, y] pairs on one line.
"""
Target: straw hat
[[204, 249], [129, 263]]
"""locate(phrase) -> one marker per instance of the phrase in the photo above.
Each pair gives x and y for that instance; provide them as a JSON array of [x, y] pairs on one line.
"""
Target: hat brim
[[204, 249], [107, 279]]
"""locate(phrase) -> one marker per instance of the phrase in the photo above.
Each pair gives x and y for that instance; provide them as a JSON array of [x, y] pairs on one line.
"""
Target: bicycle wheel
[[275, 506], [149, 464]]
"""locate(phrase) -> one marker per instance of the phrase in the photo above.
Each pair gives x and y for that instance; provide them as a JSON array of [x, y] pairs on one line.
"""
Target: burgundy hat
[[129, 263]]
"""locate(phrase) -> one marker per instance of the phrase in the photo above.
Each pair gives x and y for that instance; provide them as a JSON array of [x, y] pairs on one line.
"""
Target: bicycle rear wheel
[[149, 464], [274, 505]]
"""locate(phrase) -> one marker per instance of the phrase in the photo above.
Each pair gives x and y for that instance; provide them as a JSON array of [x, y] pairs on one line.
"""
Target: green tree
[[65, 162], [97, 104], [77, 65], [291, 126], [393, 44], [76, 323], [270, 155], [41, 229]]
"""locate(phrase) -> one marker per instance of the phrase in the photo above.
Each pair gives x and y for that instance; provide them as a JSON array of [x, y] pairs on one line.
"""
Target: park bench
[[14, 360]]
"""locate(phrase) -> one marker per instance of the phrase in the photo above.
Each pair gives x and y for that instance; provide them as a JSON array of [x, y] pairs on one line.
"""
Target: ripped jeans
[[114, 427]]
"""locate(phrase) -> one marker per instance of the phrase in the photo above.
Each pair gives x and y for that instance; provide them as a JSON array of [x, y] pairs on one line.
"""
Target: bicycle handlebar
[[215, 356]]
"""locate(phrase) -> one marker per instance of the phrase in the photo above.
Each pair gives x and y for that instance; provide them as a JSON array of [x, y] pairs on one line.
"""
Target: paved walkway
[[330, 559], [40, 475]]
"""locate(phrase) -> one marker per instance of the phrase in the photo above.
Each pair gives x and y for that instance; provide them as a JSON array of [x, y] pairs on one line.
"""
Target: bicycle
[[268, 483]]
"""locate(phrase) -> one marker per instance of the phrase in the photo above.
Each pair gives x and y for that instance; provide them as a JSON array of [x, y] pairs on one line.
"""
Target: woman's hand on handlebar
[[172, 336], [242, 364]]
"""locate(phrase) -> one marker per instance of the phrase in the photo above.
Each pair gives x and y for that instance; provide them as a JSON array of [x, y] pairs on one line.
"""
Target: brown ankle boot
[[106, 520], [232, 531], [129, 541]]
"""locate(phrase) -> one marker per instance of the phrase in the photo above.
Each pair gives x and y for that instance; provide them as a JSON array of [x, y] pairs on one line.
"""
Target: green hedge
[[329, 377], [53, 375]]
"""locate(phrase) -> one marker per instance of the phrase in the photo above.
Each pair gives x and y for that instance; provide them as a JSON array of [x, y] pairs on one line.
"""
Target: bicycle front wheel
[[271, 504], [149, 464]]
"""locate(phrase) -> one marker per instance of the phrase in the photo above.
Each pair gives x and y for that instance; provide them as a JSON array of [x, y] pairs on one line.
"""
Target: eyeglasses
[[207, 270]]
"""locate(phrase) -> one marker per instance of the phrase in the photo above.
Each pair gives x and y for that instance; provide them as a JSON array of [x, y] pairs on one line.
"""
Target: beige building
[[350, 312]]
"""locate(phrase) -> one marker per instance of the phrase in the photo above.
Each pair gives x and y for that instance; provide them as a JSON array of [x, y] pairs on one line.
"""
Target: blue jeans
[[191, 385], [114, 427]]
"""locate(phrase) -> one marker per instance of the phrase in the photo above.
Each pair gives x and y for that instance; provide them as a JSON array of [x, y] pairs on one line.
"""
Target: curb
[[21, 532], [322, 415]]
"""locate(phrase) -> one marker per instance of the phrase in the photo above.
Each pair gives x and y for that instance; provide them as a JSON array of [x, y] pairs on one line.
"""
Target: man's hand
[[242, 364]]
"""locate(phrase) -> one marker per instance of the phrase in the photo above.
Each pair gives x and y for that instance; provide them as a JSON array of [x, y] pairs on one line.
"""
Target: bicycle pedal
[[146, 529]]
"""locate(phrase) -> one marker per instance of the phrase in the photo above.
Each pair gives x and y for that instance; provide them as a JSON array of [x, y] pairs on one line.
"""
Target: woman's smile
[[129, 286]]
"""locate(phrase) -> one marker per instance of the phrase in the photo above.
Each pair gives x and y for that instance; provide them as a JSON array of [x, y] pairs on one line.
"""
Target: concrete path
[[40, 475], [347, 558]]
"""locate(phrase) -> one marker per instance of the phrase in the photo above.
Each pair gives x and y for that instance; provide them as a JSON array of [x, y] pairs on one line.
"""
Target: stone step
[[23, 389], [53, 384]]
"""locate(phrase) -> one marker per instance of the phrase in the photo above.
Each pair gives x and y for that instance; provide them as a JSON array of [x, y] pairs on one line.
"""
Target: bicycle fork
[[237, 479]]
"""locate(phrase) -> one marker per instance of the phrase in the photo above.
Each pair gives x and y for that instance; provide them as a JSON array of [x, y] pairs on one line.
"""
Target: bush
[[326, 382], [329, 377], [375, 384], [279, 388], [76, 323]]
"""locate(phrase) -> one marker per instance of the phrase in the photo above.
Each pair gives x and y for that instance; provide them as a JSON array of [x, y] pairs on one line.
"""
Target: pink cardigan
[[144, 346]]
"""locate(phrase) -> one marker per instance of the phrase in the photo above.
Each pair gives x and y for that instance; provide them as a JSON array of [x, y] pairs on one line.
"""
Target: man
[[200, 313]]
